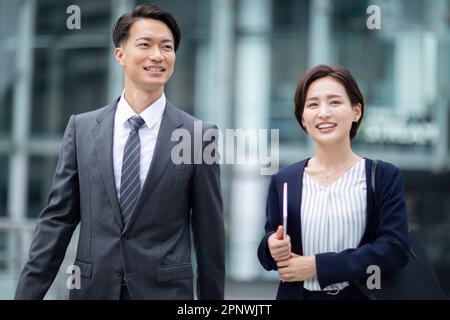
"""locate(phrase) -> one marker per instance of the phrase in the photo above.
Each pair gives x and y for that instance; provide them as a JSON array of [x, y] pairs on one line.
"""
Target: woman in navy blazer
[[329, 107]]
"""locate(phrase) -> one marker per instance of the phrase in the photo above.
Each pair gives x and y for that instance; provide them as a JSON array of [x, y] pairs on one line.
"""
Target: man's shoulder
[[185, 119], [94, 114]]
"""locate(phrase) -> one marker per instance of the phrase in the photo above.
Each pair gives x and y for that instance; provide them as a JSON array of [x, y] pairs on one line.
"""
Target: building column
[[440, 27], [18, 180], [213, 96], [214, 68], [115, 77], [319, 38], [248, 187]]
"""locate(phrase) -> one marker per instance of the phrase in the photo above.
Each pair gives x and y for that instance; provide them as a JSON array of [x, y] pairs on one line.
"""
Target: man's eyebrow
[[143, 38], [150, 39]]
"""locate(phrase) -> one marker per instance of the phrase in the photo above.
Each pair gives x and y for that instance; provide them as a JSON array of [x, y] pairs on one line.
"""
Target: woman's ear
[[357, 111]]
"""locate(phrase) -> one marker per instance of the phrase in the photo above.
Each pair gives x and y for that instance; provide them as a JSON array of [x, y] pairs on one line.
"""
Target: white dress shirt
[[334, 217], [148, 134]]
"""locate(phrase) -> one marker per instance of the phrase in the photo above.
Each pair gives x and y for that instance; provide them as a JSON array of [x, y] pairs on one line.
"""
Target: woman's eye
[[143, 45], [312, 105], [167, 47], [335, 102]]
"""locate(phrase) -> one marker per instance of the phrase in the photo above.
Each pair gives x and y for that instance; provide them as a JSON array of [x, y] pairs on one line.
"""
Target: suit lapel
[[103, 137], [161, 158]]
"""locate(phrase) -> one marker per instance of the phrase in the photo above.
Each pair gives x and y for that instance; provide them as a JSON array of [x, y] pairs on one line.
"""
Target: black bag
[[415, 281]]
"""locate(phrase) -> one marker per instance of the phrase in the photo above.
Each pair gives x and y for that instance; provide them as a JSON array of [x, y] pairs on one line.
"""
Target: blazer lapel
[[295, 186], [370, 230], [103, 138], [161, 157]]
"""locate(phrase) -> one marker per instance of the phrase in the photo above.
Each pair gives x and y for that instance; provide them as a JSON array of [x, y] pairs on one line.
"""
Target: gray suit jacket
[[152, 253]]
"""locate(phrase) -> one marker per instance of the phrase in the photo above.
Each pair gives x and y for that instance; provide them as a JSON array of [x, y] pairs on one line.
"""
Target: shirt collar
[[151, 114]]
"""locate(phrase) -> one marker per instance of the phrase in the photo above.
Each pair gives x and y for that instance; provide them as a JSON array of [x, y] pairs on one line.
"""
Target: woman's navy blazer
[[384, 243]]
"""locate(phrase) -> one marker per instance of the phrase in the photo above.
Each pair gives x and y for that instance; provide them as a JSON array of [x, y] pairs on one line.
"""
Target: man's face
[[148, 55]]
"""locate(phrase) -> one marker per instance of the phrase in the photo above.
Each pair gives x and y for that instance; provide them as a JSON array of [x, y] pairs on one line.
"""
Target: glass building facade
[[238, 65]]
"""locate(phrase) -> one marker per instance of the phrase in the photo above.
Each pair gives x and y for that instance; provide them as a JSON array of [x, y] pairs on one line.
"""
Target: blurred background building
[[237, 66]]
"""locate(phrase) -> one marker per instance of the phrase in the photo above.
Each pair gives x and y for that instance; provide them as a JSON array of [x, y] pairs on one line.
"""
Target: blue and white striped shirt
[[334, 217]]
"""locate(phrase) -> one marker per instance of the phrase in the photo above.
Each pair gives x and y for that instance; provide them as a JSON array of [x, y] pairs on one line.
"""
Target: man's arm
[[55, 225], [208, 230]]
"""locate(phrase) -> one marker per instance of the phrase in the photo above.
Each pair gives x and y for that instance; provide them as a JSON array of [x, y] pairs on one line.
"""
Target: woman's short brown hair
[[343, 76], [122, 26]]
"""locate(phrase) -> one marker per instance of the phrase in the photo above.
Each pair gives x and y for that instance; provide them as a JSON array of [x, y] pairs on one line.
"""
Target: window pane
[[52, 17], [67, 82], [193, 18], [8, 32], [4, 178], [39, 182], [427, 196], [289, 48], [397, 70], [3, 251]]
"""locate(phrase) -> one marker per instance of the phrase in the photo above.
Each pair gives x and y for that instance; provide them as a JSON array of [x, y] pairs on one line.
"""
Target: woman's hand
[[297, 268], [280, 249]]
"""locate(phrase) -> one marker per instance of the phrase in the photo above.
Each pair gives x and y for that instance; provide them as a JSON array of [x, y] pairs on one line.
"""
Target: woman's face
[[328, 114]]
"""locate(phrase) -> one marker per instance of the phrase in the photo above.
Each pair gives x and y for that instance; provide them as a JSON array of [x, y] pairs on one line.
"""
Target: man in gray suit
[[135, 206]]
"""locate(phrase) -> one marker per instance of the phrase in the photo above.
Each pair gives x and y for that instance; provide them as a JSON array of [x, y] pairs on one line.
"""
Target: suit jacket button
[[118, 273], [123, 238]]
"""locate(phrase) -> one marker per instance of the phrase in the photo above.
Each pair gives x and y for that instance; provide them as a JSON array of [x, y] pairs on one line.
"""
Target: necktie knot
[[136, 122]]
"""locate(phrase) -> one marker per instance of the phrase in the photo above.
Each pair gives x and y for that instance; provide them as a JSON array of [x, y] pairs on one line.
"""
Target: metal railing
[[15, 240]]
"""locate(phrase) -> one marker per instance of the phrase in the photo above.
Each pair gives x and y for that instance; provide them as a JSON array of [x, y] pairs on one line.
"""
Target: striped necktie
[[130, 186]]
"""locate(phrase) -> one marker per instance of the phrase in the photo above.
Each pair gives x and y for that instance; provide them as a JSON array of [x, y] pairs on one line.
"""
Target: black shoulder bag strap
[[372, 179], [360, 284]]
